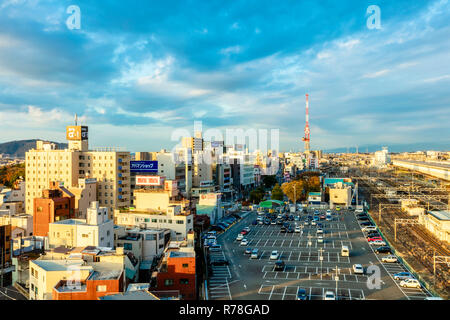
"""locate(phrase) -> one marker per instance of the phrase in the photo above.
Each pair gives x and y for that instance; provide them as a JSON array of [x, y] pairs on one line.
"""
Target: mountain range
[[17, 149]]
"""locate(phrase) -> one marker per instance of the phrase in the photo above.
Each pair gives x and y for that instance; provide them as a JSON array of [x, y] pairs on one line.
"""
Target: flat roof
[[60, 265], [71, 221], [131, 295], [429, 164], [441, 215], [181, 254]]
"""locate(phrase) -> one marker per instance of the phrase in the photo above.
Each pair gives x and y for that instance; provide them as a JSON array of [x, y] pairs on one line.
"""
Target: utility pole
[[321, 259]]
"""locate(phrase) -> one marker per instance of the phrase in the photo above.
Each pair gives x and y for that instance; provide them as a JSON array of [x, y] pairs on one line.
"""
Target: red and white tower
[[306, 137]]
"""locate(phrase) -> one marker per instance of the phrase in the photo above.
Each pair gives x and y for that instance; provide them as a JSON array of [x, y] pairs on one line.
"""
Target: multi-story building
[[21, 224], [6, 267], [97, 230], [176, 271], [68, 271], [56, 204], [110, 167]]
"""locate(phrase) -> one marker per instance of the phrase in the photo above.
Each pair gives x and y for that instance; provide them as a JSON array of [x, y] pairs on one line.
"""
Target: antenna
[[76, 119]]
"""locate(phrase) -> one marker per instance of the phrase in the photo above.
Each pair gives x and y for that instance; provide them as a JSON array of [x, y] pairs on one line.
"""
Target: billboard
[[76, 133], [216, 144], [143, 166], [149, 180]]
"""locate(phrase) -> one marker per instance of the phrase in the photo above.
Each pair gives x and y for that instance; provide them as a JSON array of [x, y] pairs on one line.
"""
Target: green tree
[[256, 196], [277, 193], [269, 181]]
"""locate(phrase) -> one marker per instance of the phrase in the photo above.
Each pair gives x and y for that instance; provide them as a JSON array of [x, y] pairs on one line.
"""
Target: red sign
[[149, 180]]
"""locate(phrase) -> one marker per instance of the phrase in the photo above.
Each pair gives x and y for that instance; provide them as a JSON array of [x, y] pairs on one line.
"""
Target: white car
[[389, 258], [244, 242], [369, 228], [328, 211], [319, 231], [239, 237], [358, 269], [274, 255], [297, 229], [306, 223], [410, 283], [320, 239], [247, 229], [378, 243], [313, 223], [329, 295]]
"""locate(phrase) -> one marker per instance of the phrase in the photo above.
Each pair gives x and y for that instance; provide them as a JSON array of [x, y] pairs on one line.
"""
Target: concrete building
[[97, 230], [177, 270], [438, 223], [56, 204], [341, 195], [110, 167], [74, 267], [6, 266], [381, 158], [179, 224], [21, 224], [85, 193], [436, 169]]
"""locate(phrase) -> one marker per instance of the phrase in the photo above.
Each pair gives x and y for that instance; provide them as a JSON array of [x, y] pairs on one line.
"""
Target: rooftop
[[131, 295], [181, 254], [441, 215], [60, 265]]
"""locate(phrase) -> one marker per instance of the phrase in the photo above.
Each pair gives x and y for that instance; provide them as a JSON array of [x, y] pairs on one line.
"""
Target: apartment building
[[21, 224], [97, 230], [176, 271], [109, 166]]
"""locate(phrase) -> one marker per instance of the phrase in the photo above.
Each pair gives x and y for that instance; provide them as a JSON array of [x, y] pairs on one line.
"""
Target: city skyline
[[134, 73]]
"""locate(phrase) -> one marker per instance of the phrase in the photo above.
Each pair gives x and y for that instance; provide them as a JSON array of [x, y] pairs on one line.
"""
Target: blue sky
[[137, 70]]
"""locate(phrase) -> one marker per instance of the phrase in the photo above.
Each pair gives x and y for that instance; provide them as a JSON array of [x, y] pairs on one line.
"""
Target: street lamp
[[321, 259], [337, 279]]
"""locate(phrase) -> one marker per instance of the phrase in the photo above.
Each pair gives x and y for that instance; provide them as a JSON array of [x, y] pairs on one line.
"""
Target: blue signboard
[[143, 166]]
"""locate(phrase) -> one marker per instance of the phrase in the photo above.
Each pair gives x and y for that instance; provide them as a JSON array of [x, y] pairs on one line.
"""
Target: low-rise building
[[97, 230], [340, 194], [438, 223], [177, 270]]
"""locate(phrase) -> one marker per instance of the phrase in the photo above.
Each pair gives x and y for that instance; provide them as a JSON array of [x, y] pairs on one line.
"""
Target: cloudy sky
[[137, 70]]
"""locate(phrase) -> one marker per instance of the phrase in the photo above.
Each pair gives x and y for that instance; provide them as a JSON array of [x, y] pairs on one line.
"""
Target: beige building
[[111, 168], [438, 223], [97, 230], [341, 195], [21, 224], [85, 194], [45, 274]]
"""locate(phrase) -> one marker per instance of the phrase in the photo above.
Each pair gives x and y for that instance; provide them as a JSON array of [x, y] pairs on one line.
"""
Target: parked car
[[316, 218], [372, 239], [255, 222], [301, 294], [279, 265], [319, 225], [244, 232], [383, 249], [247, 229], [338, 208], [290, 230], [273, 222], [403, 276], [366, 224], [296, 218], [216, 247], [274, 255], [390, 258], [329, 295], [320, 239], [239, 237], [254, 254], [219, 262], [322, 217], [297, 229], [328, 211], [319, 231], [363, 218], [306, 223], [378, 243], [244, 242], [248, 250], [313, 223], [410, 283], [358, 269], [369, 228], [283, 229]]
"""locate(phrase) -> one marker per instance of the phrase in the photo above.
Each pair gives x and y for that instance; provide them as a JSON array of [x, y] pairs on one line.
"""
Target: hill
[[18, 148]]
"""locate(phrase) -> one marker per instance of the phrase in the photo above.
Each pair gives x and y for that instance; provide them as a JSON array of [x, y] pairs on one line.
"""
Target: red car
[[375, 239], [322, 217], [244, 232]]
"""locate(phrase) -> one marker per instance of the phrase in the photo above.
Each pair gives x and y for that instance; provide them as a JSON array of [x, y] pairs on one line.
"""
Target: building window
[[180, 222], [168, 282], [101, 288], [185, 265], [184, 281], [128, 246]]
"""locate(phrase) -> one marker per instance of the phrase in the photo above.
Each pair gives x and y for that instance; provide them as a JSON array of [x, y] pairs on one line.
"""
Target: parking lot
[[316, 266]]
